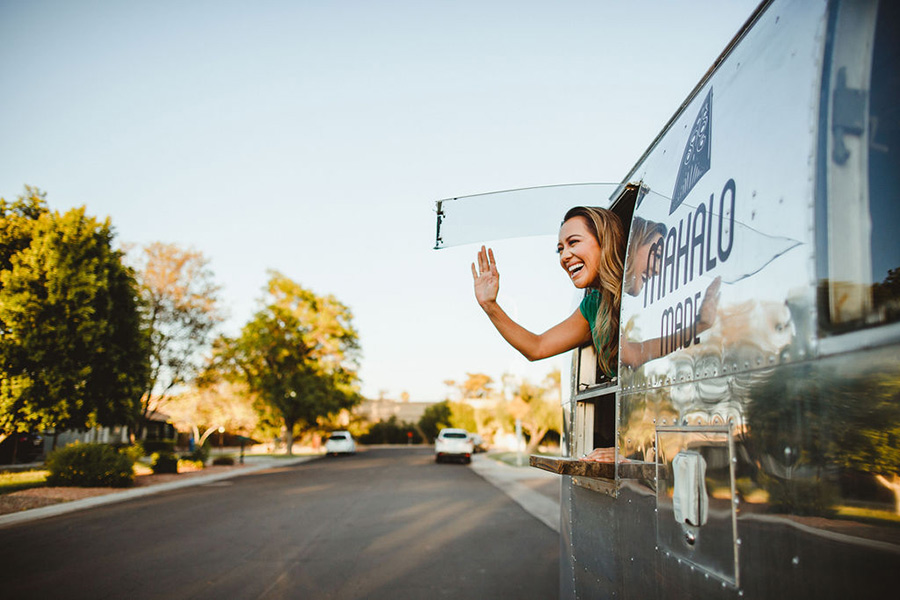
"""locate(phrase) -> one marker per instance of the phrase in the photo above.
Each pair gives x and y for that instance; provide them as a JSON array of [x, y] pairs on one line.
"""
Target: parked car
[[340, 442], [454, 444], [21, 448], [477, 443]]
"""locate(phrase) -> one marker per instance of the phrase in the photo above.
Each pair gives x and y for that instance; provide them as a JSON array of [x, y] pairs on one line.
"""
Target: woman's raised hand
[[487, 279]]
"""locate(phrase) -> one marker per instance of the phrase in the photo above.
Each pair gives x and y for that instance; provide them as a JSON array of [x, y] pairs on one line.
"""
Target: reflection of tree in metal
[[814, 424], [886, 296]]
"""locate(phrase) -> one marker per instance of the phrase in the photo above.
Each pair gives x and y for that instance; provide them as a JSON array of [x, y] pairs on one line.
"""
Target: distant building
[[382, 409]]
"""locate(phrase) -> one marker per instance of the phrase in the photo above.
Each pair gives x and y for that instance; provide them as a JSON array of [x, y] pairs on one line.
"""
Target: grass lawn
[[22, 480]]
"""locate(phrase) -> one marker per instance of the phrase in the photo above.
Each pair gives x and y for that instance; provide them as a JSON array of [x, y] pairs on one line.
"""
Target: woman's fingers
[[486, 262]]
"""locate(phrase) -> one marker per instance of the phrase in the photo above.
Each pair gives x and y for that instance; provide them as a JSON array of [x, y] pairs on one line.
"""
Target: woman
[[591, 247]]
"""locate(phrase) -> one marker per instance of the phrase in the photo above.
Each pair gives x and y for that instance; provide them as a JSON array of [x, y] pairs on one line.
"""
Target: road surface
[[386, 523]]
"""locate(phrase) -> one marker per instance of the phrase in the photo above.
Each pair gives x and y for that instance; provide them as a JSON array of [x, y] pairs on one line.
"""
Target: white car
[[453, 443], [340, 442]]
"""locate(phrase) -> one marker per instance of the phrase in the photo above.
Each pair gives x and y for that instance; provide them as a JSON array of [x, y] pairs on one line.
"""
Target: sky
[[314, 138]]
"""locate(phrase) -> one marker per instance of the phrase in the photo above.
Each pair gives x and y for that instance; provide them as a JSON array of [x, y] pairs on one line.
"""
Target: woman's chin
[[582, 283]]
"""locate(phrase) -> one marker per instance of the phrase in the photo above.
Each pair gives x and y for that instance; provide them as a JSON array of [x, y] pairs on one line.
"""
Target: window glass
[[859, 263], [513, 213], [884, 166]]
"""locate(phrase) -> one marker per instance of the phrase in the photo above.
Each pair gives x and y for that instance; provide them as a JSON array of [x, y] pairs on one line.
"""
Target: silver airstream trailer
[[759, 458]]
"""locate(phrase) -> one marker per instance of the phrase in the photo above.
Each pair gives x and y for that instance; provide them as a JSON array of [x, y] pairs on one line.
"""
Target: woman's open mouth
[[575, 269]]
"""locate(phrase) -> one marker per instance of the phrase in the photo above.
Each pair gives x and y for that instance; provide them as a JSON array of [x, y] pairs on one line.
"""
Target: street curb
[[505, 477], [62, 508]]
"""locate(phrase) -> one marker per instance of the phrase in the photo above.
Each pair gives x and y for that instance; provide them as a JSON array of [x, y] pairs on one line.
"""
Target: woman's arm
[[572, 332]]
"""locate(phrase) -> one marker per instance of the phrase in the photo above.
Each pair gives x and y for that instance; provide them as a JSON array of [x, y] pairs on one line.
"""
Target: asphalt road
[[386, 523]]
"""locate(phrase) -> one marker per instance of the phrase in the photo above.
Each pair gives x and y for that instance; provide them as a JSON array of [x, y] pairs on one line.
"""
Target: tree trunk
[[536, 438], [289, 437]]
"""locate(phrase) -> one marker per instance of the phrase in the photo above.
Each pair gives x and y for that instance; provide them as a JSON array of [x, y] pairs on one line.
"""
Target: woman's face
[[579, 253], [642, 270]]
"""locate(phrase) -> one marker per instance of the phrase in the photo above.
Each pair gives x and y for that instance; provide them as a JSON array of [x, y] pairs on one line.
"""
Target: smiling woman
[[591, 249]]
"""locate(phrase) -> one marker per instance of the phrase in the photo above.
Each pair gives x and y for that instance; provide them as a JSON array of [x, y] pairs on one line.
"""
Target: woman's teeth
[[574, 269]]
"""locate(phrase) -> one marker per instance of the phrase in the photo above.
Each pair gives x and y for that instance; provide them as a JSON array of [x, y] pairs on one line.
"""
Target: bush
[[164, 462], [200, 453], [89, 465], [186, 464], [391, 431], [223, 460], [134, 451]]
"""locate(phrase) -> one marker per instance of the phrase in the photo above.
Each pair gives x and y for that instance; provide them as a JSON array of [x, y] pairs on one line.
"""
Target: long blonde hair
[[606, 227]]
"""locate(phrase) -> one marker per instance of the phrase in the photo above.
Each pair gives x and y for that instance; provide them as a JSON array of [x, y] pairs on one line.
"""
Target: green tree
[[180, 311], [299, 354], [446, 414], [72, 352], [436, 417]]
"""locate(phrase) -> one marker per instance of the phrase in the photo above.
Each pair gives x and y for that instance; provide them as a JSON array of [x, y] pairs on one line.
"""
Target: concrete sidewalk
[[253, 464], [534, 490]]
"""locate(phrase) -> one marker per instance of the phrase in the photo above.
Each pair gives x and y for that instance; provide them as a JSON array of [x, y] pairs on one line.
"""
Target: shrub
[[89, 465], [200, 453], [134, 451], [164, 462], [223, 460], [391, 431], [186, 464]]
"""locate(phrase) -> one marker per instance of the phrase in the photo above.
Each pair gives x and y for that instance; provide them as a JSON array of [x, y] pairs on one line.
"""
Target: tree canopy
[[538, 414], [299, 354], [72, 352], [180, 310]]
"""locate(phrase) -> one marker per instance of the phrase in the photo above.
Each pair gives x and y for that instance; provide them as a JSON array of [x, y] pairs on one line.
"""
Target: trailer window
[[595, 415], [859, 183]]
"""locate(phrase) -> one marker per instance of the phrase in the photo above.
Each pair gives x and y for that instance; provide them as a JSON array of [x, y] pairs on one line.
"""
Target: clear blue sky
[[314, 137]]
